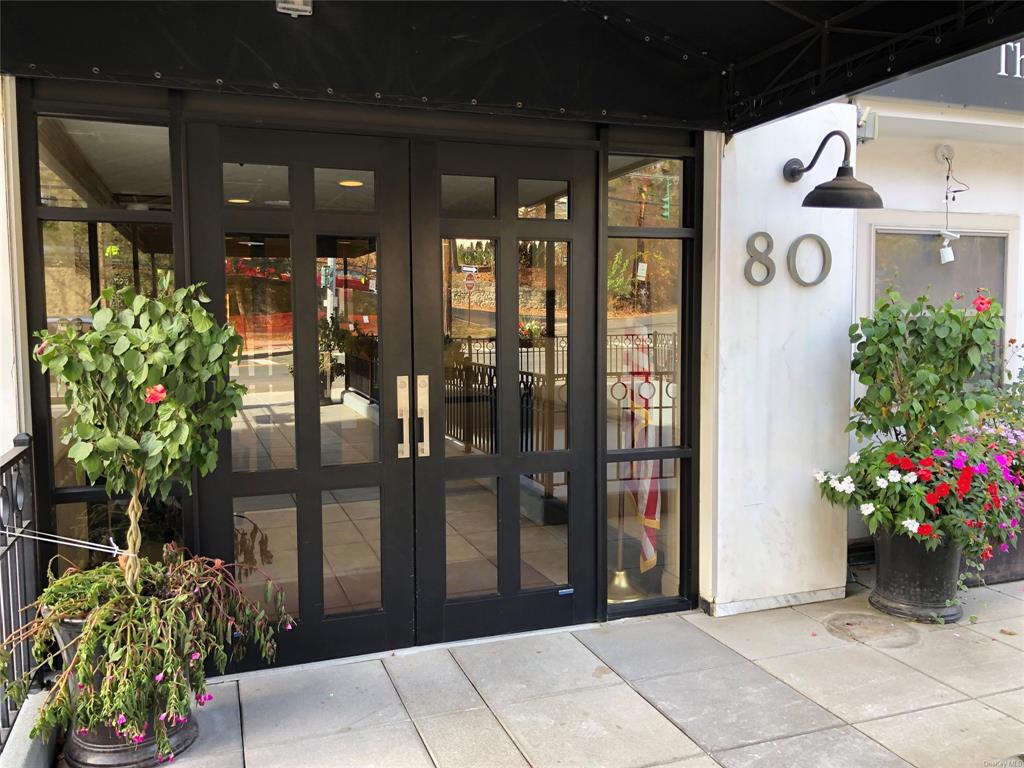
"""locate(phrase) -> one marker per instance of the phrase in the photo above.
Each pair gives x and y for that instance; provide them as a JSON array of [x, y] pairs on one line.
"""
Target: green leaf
[[107, 443], [121, 345], [102, 319], [132, 359], [216, 350], [80, 451]]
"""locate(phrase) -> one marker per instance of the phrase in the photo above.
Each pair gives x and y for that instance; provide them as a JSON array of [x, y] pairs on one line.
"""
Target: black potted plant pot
[[914, 583], [102, 747]]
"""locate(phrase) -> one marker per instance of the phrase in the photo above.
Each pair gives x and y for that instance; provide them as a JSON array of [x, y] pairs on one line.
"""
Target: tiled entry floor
[[830, 685]]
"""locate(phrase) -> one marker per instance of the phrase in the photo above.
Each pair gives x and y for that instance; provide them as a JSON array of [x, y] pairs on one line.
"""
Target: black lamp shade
[[844, 191]]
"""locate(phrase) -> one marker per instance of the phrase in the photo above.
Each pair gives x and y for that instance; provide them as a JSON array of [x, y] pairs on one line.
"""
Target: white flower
[[911, 525], [894, 476], [881, 482], [854, 457], [910, 477], [867, 509], [820, 476]]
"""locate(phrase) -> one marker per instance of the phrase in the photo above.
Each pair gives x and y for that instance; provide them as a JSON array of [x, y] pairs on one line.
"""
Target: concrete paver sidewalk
[[831, 684]]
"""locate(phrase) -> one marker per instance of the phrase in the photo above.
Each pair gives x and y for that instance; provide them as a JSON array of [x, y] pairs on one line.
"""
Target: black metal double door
[[414, 459]]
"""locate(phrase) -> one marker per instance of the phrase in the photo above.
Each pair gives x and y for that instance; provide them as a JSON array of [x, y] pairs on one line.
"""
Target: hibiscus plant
[[930, 469], [148, 385]]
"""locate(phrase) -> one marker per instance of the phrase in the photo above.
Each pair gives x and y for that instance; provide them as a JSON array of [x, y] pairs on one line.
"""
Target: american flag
[[643, 484]]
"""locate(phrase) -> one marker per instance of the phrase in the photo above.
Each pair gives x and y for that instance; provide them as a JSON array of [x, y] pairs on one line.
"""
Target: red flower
[[927, 462], [932, 498], [963, 484], [156, 394], [906, 464], [892, 459], [924, 475], [924, 529], [982, 303], [987, 553]]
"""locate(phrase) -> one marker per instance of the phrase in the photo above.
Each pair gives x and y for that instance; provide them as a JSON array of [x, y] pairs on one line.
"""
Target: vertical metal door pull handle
[[402, 387], [423, 413]]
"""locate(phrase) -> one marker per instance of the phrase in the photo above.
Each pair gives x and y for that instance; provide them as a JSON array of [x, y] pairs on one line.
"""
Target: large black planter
[[102, 748], [914, 583]]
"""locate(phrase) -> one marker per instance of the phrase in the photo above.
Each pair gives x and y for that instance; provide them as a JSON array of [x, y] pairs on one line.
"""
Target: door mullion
[[509, 416], [305, 365]]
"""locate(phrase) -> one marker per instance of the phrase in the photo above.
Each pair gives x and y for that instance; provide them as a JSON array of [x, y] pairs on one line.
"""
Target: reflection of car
[[77, 321]]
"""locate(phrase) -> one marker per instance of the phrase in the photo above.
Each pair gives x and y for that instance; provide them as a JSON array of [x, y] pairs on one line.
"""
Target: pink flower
[[195, 656], [41, 348], [82, 731], [156, 394], [288, 627], [982, 303], [121, 719], [163, 716], [158, 677], [1004, 547], [957, 296]]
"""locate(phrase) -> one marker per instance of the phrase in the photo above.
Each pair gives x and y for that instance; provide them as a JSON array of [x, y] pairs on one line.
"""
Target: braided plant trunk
[[131, 565]]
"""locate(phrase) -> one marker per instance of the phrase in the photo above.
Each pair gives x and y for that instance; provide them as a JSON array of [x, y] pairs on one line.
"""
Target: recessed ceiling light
[[276, 202], [350, 183], [239, 200]]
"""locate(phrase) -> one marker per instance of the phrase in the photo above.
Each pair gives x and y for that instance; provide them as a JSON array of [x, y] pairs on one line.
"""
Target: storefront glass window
[[471, 537], [643, 345], [543, 344], [543, 530], [909, 262], [251, 185], [349, 349], [543, 199], [348, 191], [644, 192], [79, 260], [643, 530], [468, 269], [266, 547], [258, 286], [351, 542], [468, 197], [96, 164], [99, 521]]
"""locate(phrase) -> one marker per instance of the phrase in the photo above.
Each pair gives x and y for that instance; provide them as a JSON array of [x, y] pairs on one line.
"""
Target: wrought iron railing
[[18, 560]]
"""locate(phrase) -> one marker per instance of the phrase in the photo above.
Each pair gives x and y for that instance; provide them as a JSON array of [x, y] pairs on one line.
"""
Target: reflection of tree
[[246, 544], [629, 294]]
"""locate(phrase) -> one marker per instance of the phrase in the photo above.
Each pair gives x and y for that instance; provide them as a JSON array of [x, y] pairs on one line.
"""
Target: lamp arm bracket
[[794, 169]]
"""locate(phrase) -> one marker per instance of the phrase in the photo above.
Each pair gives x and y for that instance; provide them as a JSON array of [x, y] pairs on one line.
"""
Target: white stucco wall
[[775, 378]]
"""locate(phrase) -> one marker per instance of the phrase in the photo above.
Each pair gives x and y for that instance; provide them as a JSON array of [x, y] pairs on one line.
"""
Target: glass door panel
[[316, 492], [500, 487]]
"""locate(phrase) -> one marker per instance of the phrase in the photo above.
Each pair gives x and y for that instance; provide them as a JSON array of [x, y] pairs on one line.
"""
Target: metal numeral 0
[[759, 257], [826, 260]]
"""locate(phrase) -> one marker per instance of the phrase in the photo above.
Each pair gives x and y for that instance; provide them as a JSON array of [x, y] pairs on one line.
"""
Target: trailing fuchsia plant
[[149, 387]]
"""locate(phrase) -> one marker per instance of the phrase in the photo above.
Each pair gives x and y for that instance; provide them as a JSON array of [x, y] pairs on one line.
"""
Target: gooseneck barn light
[[844, 191]]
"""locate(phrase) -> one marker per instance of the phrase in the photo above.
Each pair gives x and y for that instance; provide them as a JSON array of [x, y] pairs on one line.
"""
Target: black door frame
[[511, 609], [188, 112], [316, 636]]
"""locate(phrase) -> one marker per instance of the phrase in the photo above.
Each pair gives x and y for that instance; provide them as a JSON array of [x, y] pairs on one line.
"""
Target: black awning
[[716, 65]]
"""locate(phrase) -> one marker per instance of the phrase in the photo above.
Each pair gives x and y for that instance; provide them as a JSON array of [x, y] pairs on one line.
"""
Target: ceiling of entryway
[[716, 65]]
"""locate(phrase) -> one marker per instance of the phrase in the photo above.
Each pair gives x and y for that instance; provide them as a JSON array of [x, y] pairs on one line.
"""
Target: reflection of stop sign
[[470, 281]]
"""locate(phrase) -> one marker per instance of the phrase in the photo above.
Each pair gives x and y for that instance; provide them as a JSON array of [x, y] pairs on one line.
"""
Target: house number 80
[[762, 257]]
